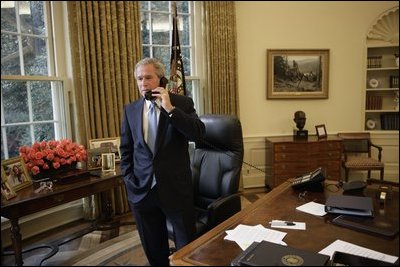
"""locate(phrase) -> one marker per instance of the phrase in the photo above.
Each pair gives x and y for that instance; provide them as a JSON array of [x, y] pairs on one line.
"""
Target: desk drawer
[[286, 147], [286, 157]]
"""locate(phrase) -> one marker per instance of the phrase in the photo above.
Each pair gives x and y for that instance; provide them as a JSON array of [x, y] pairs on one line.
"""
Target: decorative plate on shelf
[[371, 124], [373, 83]]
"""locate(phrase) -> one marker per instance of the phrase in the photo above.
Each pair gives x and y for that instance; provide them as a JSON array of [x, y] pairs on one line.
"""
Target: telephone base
[[315, 187]]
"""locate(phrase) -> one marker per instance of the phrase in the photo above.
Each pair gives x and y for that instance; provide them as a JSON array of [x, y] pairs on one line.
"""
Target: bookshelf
[[382, 88]]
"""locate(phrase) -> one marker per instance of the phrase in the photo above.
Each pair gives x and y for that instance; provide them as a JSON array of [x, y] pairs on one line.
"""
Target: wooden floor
[[71, 248]]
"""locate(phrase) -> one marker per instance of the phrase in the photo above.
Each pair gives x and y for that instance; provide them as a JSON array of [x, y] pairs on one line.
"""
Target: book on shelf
[[390, 121], [374, 102], [394, 81], [374, 62]]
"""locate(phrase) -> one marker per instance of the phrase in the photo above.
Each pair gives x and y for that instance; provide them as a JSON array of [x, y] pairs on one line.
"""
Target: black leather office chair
[[216, 165]]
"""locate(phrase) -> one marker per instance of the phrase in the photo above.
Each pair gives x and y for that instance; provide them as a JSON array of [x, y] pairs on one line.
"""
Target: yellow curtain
[[221, 54], [106, 44]]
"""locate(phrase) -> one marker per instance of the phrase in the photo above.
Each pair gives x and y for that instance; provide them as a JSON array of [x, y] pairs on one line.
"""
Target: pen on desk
[[285, 223]]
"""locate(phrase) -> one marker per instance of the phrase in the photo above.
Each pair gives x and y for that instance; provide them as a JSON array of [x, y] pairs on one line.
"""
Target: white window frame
[[60, 99], [58, 33]]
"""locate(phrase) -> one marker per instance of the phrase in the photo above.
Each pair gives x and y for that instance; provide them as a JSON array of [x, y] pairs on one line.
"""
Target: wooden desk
[[28, 202], [288, 157], [280, 203]]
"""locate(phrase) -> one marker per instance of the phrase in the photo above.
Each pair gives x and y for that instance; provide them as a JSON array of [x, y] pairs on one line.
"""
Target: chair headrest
[[223, 132]]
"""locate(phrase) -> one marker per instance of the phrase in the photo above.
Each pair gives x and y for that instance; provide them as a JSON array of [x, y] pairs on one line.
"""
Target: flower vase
[[51, 173]]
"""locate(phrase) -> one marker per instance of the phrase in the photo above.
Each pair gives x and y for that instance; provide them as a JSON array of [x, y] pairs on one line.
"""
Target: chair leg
[[346, 176], [369, 174], [382, 174]]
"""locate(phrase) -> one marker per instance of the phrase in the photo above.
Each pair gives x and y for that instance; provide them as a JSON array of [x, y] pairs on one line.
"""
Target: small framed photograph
[[112, 142], [6, 191], [15, 173], [94, 157], [108, 162], [321, 131]]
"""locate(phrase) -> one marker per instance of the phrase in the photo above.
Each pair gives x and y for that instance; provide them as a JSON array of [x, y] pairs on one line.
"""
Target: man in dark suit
[[158, 178]]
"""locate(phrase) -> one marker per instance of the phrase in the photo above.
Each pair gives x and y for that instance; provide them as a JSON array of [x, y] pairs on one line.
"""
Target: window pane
[[182, 6], [159, 5], [42, 105], [189, 88], [44, 131], [8, 18], [184, 30], [35, 56], [32, 17], [186, 60], [17, 136], [145, 28], [144, 5], [15, 101], [3, 155], [146, 51], [161, 29], [10, 64], [163, 54]]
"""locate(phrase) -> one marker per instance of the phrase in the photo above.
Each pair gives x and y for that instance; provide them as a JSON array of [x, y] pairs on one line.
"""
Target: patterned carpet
[[104, 248]]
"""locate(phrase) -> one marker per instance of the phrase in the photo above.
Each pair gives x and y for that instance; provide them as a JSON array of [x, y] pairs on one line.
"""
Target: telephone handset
[[149, 94], [311, 181]]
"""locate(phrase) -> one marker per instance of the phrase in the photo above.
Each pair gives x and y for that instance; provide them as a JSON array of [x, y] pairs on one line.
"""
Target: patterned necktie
[[152, 129]]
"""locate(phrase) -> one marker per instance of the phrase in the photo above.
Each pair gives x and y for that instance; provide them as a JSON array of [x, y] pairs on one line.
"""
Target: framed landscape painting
[[297, 73]]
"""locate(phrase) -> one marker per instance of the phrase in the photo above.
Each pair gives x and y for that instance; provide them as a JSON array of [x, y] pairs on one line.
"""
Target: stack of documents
[[245, 235]]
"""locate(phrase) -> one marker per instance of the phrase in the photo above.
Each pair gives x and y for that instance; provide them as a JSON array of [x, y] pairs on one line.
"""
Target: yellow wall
[[338, 26]]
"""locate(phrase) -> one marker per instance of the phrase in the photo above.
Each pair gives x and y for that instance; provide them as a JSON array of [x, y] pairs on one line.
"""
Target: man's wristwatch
[[171, 112]]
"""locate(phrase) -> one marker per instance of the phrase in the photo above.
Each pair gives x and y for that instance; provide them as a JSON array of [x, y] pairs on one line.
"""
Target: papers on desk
[[313, 208], [245, 235], [350, 248]]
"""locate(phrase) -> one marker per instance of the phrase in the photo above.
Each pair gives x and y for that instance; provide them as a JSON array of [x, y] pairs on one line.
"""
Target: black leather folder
[[378, 225], [350, 205], [265, 253], [345, 259]]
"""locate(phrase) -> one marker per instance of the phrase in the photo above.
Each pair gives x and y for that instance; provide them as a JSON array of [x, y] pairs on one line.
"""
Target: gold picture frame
[[112, 142], [15, 173], [297, 73], [94, 161], [6, 191], [108, 162]]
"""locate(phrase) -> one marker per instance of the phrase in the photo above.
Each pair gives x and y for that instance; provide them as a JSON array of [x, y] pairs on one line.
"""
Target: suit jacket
[[170, 162]]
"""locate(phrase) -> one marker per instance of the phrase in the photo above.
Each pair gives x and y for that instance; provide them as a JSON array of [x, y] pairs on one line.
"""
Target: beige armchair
[[357, 154]]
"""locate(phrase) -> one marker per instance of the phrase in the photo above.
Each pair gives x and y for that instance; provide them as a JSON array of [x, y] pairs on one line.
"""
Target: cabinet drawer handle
[[58, 198]]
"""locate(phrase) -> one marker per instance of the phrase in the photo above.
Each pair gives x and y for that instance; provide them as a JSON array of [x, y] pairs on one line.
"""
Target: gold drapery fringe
[[105, 44], [221, 57]]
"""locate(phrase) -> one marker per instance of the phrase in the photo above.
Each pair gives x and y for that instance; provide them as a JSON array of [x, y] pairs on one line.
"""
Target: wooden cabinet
[[288, 157]]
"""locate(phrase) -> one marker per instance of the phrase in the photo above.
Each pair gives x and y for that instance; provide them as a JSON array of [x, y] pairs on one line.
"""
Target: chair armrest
[[222, 209], [379, 150]]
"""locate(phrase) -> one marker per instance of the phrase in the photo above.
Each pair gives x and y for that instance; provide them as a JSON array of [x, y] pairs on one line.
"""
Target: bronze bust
[[300, 119]]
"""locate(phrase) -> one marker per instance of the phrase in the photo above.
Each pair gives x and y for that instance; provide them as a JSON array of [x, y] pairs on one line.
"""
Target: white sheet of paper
[[350, 248], [313, 208], [245, 235]]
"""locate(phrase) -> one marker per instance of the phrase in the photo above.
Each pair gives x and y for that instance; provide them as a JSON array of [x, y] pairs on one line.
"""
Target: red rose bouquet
[[52, 154]]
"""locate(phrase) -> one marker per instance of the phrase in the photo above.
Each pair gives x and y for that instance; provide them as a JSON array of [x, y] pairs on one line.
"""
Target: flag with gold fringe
[[177, 83]]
